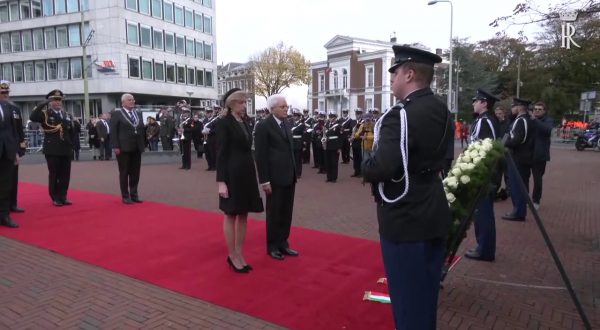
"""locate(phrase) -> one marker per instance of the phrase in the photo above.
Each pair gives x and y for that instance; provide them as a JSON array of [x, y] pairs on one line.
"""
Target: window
[[200, 77], [178, 15], [50, 38], [62, 39], [85, 5], [59, 7], [51, 70], [40, 71], [145, 7], [207, 24], [208, 78], [199, 49], [134, 67], [189, 47], [27, 40], [48, 7], [180, 74], [180, 45], [321, 82], [168, 9], [14, 13], [208, 52], [72, 6], [38, 39], [158, 39], [74, 35], [207, 3], [36, 8], [370, 78], [145, 36], [157, 8], [5, 43], [63, 69], [146, 69], [335, 80], [344, 79], [243, 85], [7, 72], [15, 41], [131, 4], [169, 42], [29, 71], [76, 68], [191, 76], [132, 34], [159, 71], [189, 18], [198, 21], [18, 72], [4, 16], [171, 72], [25, 10], [369, 103]]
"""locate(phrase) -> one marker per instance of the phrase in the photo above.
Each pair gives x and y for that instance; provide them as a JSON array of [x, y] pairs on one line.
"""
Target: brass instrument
[[181, 136], [324, 136]]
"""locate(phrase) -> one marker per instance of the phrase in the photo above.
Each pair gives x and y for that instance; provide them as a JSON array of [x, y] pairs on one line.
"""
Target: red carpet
[[183, 250]]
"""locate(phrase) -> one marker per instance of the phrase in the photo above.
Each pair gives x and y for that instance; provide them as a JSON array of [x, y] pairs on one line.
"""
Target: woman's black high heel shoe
[[237, 270], [248, 267]]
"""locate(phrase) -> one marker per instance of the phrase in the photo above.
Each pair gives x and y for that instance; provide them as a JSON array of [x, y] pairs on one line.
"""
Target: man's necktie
[[132, 117]]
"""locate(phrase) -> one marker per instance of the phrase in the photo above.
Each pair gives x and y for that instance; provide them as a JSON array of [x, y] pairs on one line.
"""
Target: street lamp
[[449, 101]]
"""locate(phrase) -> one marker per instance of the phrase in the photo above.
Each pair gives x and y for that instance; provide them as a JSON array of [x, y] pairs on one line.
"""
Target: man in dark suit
[[541, 150], [103, 129], [128, 142], [277, 175], [9, 148], [59, 137], [17, 117], [412, 208]]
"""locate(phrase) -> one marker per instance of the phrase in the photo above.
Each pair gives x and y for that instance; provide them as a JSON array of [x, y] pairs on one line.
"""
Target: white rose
[[476, 160], [471, 166], [456, 171], [474, 154], [482, 153], [450, 197], [465, 179], [464, 167], [452, 183], [467, 159]]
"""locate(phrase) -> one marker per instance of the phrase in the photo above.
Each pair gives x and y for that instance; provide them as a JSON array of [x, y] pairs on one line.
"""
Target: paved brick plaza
[[521, 290]]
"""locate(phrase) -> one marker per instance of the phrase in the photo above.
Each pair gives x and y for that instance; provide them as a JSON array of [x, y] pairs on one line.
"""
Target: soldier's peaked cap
[[524, 102], [483, 95], [55, 94], [403, 54]]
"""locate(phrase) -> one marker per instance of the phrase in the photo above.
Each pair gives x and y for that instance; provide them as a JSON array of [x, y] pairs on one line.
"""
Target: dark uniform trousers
[[485, 227], [15, 187], [298, 161], [306, 148], [59, 175], [279, 210], [518, 197], [345, 148], [413, 273], [332, 158], [211, 152], [186, 153], [538, 168], [6, 182], [129, 173], [317, 154], [356, 156]]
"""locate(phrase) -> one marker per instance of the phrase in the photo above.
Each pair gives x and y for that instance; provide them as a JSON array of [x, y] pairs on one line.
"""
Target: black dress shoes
[[512, 217], [57, 203], [66, 202], [16, 209], [127, 201], [8, 222], [473, 254], [136, 200], [275, 255], [289, 252]]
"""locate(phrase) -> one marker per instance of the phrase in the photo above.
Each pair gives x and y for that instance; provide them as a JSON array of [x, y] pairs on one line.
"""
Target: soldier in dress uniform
[[331, 144], [18, 119], [185, 139], [317, 145], [9, 157], [308, 124], [412, 208], [347, 124], [521, 143], [298, 128], [58, 144], [485, 126], [167, 126], [210, 138], [197, 136], [356, 144]]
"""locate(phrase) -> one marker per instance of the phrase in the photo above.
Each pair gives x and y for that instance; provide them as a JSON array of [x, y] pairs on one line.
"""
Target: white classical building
[[159, 50]]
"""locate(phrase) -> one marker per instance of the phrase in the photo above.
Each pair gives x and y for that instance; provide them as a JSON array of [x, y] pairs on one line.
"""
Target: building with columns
[[161, 51]]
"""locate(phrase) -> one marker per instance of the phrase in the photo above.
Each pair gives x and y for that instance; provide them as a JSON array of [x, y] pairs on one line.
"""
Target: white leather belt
[[297, 136], [332, 137]]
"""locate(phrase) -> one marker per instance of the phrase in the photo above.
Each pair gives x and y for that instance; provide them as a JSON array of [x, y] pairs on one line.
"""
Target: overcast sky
[[244, 28]]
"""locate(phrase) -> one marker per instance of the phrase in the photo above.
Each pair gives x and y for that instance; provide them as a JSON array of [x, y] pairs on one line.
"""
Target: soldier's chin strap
[[403, 152]]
